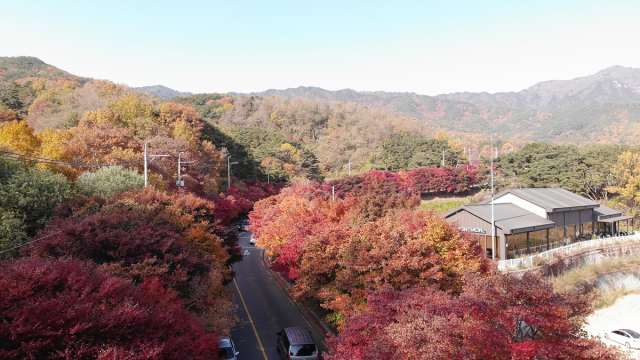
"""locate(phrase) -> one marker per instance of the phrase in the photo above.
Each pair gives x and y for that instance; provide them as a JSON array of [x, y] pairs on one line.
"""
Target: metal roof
[[552, 199], [617, 218], [511, 218], [604, 212]]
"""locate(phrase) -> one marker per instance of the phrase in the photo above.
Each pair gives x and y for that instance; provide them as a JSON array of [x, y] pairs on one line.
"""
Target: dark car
[[243, 225], [296, 343]]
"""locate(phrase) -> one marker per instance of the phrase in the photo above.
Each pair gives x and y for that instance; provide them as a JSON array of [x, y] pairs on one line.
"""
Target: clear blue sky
[[427, 47]]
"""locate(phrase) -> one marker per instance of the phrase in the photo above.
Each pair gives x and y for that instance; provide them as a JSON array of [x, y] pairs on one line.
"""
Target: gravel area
[[623, 314]]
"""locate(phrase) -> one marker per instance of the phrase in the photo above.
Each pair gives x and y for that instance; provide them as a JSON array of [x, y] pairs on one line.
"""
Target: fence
[[531, 261]]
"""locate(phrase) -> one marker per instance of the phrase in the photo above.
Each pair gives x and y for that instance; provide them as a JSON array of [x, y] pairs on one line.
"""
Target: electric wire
[[12, 156], [27, 243]]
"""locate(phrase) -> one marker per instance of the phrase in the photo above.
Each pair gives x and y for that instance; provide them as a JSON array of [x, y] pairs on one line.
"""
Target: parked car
[[296, 343], [629, 338], [253, 240], [243, 224], [228, 348]]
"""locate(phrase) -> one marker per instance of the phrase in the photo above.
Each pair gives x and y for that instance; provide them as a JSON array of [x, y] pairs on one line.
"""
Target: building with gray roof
[[544, 213]]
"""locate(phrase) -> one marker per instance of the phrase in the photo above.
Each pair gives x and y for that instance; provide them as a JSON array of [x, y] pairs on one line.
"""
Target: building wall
[[470, 223], [569, 218], [529, 206]]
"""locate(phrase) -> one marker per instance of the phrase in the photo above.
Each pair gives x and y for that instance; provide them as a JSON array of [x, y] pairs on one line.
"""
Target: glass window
[[226, 353], [303, 350], [633, 334]]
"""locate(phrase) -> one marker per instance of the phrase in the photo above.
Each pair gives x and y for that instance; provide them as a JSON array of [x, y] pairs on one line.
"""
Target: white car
[[227, 348], [253, 241], [628, 338]]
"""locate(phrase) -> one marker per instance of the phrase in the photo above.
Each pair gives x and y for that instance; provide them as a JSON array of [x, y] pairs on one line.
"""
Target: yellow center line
[[250, 320]]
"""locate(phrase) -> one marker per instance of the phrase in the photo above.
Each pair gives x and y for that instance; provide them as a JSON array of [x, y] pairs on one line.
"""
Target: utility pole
[[180, 183], [146, 163], [493, 222], [229, 171], [349, 166], [268, 171], [442, 158]]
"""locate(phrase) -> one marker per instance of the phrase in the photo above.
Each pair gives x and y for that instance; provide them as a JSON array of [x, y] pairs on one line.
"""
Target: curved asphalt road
[[264, 307]]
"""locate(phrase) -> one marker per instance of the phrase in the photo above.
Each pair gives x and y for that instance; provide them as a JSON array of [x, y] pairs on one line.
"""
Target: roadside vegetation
[[585, 277]]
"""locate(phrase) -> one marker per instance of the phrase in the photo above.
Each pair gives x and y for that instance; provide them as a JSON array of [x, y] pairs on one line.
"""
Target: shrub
[[109, 181], [67, 309]]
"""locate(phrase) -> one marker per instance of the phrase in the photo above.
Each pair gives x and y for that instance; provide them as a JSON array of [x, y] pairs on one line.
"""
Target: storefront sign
[[473, 230]]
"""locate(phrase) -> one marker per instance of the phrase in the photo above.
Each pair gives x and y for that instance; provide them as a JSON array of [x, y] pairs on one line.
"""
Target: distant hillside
[[161, 91], [594, 121], [616, 85], [23, 67]]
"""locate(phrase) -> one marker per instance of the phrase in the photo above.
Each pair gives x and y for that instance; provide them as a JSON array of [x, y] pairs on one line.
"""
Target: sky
[[427, 47]]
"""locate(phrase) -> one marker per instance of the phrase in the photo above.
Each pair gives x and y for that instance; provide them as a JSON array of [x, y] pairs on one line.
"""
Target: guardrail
[[530, 261]]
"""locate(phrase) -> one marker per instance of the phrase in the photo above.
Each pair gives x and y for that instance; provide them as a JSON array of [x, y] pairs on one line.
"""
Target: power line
[[12, 156], [32, 241]]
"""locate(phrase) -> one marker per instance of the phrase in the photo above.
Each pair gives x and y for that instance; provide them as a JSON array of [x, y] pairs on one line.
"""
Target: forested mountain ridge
[[616, 85], [600, 108], [24, 67], [161, 91]]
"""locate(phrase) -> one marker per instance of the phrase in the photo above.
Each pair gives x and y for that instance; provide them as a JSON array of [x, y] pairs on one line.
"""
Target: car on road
[[228, 348], [253, 240], [296, 343], [243, 225], [628, 338]]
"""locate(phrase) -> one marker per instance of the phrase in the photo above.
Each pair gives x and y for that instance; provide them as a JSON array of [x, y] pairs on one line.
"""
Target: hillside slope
[[162, 91], [617, 85], [606, 122], [24, 67]]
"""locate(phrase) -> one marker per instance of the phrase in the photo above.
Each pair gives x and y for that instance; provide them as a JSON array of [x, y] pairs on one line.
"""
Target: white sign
[[473, 230]]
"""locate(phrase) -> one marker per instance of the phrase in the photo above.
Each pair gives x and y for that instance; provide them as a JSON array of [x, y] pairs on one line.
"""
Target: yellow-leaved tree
[[19, 137], [627, 173], [52, 147]]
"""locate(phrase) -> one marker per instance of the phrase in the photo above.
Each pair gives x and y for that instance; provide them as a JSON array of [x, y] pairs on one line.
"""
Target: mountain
[[24, 67], [161, 91], [615, 85], [604, 107]]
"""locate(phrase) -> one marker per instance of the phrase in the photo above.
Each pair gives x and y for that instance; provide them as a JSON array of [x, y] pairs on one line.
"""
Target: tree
[[405, 248], [147, 233], [495, 317], [19, 137], [68, 309], [98, 143], [28, 198], [627, 173], [109, 181]]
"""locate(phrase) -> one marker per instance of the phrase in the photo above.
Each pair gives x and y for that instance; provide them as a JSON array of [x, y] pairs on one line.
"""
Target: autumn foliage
[[68, 309], [495, 317], [403, 283], [336, 250]]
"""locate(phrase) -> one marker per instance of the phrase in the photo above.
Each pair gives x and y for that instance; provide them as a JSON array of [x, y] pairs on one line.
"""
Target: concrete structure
[[544, 213]]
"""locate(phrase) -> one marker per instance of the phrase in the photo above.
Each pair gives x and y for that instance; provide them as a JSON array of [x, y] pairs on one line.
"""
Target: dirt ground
[[623, 314]]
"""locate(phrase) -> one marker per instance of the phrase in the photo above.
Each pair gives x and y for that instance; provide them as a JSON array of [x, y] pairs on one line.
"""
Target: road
[[264, 307]]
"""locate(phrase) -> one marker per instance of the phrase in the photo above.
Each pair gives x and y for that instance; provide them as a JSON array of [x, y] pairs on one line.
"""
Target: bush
[[109, 181], [67, 309], [28, 198]]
